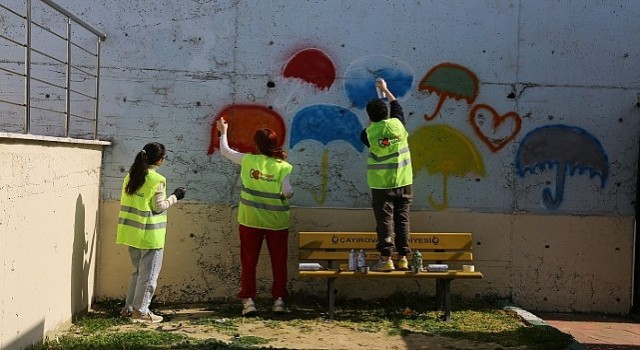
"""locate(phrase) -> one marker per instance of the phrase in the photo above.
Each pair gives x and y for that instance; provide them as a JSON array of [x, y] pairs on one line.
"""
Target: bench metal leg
[[446, 284], [331, 295], [439, 301]]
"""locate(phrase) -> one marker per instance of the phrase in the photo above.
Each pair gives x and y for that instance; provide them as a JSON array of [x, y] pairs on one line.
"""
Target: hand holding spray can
[[379, 81]]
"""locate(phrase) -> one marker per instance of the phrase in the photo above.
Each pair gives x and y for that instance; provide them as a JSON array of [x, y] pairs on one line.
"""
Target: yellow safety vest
[[389, 161], [138, 225], [262, 204]]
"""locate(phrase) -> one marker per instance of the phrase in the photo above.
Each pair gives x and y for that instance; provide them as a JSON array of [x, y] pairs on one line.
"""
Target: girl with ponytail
[[142, 227]]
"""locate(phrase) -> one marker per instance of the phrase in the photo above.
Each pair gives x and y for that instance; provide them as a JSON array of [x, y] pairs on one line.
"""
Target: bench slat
[[320, 255], [451, 274], [367, 240]]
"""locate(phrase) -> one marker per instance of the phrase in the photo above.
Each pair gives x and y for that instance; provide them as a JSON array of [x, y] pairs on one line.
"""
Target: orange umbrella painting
[[243, 121], [445, 150], [449, 80]]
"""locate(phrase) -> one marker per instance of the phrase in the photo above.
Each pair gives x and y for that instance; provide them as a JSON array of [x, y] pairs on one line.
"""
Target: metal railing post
[[95, 119], [68, 86], [27, 71]]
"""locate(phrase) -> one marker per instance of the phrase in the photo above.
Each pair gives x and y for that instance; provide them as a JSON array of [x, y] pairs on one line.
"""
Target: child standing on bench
[[390, 177], [263, 213]]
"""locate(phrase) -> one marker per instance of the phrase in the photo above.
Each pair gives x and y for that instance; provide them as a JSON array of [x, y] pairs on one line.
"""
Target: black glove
[[180, 192]]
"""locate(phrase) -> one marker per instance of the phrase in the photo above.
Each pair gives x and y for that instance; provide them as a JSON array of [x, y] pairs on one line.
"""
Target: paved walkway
[[596, 331]]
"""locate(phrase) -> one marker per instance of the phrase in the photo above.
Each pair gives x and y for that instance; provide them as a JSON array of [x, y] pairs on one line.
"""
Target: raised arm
[[395, 109], [227, 152]]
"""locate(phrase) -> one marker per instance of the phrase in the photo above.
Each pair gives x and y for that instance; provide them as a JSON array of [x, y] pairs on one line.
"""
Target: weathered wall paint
[[49, 229], [543, 263]]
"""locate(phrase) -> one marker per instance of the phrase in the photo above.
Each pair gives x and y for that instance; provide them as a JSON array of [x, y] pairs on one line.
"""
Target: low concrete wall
[[550, 263], [49, 191]]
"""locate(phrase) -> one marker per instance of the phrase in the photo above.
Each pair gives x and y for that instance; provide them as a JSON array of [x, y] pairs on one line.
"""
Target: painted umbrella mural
[[568, 149], [445, 150], [361, 75], [326, 123], [449, 80], [243, 121], [312, 66]]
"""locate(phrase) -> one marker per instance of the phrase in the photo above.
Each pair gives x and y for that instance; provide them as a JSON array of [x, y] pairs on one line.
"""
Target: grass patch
[[114, 340], [479, 320]]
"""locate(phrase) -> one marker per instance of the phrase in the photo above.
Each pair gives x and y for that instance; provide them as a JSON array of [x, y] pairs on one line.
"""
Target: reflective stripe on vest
[[389, 161], [262, 204], [402, 163], [138, 225], [265, 195]]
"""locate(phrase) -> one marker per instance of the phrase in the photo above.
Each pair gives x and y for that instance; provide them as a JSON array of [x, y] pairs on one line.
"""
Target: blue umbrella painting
[[326, 123], [568, 149], [361, 75]]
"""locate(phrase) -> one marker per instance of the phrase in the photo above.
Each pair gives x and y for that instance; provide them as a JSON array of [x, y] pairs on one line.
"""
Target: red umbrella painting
[[566, 148], [243, 121], [441, 149], [312, 66], [449, 80], [307, 71]]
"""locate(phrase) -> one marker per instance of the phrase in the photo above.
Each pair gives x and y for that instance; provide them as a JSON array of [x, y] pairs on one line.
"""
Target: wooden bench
[[331, 250]]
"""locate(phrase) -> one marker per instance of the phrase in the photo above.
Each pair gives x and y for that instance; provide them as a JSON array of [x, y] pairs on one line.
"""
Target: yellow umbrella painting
[[443, 149]]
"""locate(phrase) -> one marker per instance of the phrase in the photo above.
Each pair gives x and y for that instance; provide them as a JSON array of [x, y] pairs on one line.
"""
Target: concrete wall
[[49, 198], [531, 72], [559, 263], [533, 148]]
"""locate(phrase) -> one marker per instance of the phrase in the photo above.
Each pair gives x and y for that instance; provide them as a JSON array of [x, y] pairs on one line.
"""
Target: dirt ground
[[321, 334]]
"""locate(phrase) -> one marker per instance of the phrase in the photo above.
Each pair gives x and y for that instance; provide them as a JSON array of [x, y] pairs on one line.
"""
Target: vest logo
[[257, 175], [386, 142], [139, 194]]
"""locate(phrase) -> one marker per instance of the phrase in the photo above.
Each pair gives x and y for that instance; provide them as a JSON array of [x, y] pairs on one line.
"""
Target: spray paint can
[[378, 91]]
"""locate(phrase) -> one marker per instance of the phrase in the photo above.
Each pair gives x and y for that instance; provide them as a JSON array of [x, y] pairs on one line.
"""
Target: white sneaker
[[149, 317], [248, 307], [278, 306]]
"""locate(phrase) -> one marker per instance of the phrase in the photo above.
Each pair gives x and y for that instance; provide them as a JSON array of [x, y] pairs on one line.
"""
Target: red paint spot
[[312, 66], [243, 121]]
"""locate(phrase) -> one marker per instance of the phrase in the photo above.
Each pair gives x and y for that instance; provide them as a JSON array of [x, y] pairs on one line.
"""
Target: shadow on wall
[[79, 267], [26, 338]]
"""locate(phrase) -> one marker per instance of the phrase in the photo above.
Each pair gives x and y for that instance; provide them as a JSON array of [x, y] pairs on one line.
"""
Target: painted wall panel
[[170, 68]]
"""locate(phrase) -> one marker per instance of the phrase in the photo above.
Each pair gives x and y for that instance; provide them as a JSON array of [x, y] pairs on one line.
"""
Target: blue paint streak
[[360, 84], [326, 123]]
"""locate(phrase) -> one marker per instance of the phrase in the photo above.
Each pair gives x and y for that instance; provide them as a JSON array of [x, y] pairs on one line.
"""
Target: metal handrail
[[27, 75], [71, 16]]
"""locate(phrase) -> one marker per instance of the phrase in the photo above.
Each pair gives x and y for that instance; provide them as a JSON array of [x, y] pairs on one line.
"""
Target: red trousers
[[250, 246]]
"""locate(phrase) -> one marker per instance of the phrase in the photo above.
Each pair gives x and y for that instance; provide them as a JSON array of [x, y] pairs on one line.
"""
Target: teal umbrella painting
[[568, 149], [449, 80]]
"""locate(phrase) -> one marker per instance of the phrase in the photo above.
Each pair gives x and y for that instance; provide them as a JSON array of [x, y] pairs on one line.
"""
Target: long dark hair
[[266, 141], [150, 155]]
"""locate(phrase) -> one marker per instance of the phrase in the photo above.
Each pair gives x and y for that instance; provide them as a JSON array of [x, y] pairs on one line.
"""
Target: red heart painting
[[494, 138]]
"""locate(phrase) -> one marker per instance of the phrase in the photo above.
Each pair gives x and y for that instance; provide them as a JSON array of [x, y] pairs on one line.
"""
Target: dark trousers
[[391, 208]]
